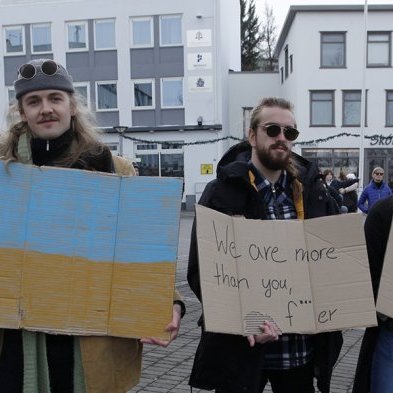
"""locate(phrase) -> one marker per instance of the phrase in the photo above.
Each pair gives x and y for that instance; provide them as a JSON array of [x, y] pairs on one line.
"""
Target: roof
[[322, 8]]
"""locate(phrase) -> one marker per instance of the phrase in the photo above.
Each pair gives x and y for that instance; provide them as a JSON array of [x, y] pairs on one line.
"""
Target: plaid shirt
[[291, 350]]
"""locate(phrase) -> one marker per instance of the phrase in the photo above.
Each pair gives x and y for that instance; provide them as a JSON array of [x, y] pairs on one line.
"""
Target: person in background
[[52, 127], [350, 194], [263, 179], [377, 189]]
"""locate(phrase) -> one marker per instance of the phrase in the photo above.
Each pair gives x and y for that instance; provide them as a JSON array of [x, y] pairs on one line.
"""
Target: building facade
[[163, 79], [335, 65], [155, 73]]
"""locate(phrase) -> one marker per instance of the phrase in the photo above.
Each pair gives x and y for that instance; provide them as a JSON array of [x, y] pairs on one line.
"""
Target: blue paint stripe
[[75, 213]]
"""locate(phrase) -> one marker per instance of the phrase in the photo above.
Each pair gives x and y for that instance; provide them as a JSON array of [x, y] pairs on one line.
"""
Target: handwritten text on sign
[[305, 276]]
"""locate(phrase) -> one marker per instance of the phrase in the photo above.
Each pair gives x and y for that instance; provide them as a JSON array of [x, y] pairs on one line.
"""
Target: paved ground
[[167, 369]]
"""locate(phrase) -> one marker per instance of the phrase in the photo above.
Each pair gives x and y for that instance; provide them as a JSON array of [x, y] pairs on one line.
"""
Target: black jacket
[[376, 229], [225, 361]]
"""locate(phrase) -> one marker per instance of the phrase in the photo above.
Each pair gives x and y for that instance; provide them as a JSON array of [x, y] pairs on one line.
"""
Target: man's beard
[[271, 160]]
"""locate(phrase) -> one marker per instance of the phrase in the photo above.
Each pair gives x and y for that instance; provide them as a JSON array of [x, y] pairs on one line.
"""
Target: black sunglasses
[[378, 173], [274, 130], [29, 71]]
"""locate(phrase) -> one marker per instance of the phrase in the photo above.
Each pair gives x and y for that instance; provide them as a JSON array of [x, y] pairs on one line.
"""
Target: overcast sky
[[281, 7]]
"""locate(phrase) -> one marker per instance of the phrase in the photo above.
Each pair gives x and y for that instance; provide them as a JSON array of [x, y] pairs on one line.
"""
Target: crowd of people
[[260, 178]]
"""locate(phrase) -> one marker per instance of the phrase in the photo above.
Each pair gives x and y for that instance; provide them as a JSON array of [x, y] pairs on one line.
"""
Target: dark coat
[[376, 229], [225, 361]]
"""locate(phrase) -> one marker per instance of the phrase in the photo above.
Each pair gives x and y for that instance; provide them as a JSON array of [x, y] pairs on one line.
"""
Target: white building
[[168, 72], [157, 68], [330, 58]]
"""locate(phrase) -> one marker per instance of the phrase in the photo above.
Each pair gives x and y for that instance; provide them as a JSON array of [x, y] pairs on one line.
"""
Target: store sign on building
[[380, 140], [196, 38], [199, 60], [200, 84]]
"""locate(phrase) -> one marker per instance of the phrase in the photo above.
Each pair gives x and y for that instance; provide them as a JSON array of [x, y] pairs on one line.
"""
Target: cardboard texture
[[385, 293], [87, 253], [305, 276]]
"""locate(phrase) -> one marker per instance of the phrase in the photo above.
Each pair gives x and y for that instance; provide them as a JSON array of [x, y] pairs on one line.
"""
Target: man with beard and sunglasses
[[263, 179]]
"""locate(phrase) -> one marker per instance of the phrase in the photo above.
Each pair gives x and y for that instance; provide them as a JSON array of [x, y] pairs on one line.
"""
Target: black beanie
[[60, 80]]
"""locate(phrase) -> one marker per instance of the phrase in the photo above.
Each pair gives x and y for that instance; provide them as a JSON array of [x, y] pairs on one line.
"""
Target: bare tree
[[269, 40]]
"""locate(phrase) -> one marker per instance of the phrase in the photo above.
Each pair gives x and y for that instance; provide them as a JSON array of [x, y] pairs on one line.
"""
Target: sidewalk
[[168, 369]]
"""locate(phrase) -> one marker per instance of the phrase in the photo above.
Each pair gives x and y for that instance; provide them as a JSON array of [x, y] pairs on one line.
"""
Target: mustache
[[47, 118], [279, 144]]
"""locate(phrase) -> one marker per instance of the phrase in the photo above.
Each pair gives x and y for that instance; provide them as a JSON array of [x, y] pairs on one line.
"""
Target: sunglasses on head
[[29, 71], [274, 130]]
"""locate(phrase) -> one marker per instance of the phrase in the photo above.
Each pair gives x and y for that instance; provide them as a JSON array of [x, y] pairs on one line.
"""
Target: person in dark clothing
[[262, 179], [374, 372]]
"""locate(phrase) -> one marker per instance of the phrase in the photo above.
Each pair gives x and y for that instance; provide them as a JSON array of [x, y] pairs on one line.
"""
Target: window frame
[[88, 95], [73, 23], [162, 80], [9, 89], [100, 83], [146, 18], [153, 89], [344, 45], [332, 93], [172, 16], [49, 24], [387, 124], [23, 35], [345, 101], [389, 48], [101, 20]]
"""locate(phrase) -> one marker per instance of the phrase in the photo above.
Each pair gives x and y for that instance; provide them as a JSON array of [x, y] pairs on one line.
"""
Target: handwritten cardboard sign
[[306, 276], [385, 293], [87, 253]]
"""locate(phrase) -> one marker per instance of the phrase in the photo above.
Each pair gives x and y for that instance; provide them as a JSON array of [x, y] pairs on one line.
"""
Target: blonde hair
[[272, 102], [85, 135]]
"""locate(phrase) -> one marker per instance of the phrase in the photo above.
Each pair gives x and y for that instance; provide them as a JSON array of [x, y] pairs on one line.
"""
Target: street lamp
[[120, 130]]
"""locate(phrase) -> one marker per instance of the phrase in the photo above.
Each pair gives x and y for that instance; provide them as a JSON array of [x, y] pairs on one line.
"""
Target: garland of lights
[[314, 141]]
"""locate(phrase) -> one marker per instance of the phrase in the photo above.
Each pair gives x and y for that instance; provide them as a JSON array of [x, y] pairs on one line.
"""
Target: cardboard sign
[[385, 295], [305, 276], [87, 253]]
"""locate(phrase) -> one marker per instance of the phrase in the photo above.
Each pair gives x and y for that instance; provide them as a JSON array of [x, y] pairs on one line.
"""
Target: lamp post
[[120, 130]]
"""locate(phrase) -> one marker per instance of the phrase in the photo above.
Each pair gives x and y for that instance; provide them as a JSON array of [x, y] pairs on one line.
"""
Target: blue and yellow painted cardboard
[[87, 253]]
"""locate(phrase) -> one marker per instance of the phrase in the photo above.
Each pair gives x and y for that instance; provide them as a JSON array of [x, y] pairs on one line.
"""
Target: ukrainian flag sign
[[87, 253]]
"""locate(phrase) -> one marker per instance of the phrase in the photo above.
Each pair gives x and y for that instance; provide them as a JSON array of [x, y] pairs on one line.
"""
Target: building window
[[171, 92], [143, 94], [352, 107], [114, 148], [142, 32], [322, 108], [14, 40], [333, 50], [378, 49], [106, 96], [282, 74], [166, 159], [246, 121], [338, 160], [83, 91], [291, 64], [286, 58], [170, 30], [41, 38], [11, 99], [77, 36], [104, 34], [389, 108]]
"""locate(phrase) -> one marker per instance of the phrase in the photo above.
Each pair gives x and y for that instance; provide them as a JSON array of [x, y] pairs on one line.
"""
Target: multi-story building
[[155, 73], [336, 66], [166, 75]]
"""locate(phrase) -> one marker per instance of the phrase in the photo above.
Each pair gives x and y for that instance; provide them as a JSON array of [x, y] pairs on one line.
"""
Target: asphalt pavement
[[168, 369]]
